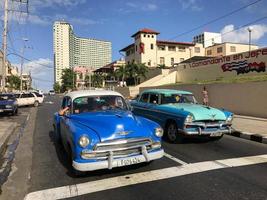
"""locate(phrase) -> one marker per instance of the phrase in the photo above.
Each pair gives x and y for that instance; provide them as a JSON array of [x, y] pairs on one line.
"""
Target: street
[[245, 180]]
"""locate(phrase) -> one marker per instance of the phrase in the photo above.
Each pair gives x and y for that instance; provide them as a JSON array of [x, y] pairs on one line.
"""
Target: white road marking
[[175, 159], [143, 177], [49, 102]]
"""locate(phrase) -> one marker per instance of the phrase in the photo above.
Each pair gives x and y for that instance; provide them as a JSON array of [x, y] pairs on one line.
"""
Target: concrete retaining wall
[[241, 98]]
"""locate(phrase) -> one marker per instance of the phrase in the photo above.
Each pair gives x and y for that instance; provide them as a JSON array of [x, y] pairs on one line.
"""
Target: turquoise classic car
[[180, 115]]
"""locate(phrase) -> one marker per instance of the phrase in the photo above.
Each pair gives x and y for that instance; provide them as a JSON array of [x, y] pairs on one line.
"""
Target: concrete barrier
[[241, 98]]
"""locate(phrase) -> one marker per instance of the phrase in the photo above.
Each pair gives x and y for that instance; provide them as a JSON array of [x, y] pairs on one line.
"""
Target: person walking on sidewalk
[[205, 96]]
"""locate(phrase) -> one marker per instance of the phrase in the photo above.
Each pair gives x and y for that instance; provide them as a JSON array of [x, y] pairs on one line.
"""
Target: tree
[[14, 82], [96, 80], [135, 71], [121, 73], [57, 87], [68, 79]]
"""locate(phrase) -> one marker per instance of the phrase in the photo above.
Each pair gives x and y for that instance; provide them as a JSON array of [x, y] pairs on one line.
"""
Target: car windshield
[[178, 98], [98, 103], [4, 97], [37, 94]]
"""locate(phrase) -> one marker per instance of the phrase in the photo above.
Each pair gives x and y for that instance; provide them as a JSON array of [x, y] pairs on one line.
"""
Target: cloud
[[190, 5], [136, 7], [229, 34], [42, 72]]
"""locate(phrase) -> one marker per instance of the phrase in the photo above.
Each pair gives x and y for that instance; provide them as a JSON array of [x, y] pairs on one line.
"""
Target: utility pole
[[4, 44], [22, 61]]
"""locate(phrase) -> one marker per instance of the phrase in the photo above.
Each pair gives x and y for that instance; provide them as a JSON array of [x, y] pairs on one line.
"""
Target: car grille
[[120, 148]]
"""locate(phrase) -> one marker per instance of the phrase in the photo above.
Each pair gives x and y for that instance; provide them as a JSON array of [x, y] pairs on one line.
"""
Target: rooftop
[[175, 43], [82, 93], [167, 91], [145, 30]]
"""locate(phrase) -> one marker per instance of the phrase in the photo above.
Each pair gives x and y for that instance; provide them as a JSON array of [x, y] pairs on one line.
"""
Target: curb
[[4, 139], [249, 136]]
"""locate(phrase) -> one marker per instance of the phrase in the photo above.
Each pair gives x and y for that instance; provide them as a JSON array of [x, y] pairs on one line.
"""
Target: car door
[[31, 99], [140, 105], [65, 122], [151, 106], [23, 99]]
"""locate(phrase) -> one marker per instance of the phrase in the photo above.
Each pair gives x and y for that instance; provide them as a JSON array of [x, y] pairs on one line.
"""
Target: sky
[[117, 20]]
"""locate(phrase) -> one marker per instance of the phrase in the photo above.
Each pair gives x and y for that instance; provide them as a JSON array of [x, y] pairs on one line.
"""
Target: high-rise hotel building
[[70, 50]]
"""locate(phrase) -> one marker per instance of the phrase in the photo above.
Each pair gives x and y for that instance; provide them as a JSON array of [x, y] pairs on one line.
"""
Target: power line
[[243, 26], [216, 19]]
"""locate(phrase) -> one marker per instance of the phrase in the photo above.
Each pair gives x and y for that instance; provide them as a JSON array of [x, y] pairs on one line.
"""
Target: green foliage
[[57, 87], [68, 79], [96, 80], [14, 82], [132, 71]]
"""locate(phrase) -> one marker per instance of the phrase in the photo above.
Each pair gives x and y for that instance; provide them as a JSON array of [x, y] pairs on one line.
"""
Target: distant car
[[180, 114], [99, 131], [27, 99], [8, 104], [51, 92], [40, 97]]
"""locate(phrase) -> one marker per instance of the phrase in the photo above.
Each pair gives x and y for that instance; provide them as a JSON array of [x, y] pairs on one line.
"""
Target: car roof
[[81, 93], [166, 91]]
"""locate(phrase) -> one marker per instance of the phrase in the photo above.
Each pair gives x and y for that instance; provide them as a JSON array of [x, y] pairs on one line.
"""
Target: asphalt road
[[243, 181]]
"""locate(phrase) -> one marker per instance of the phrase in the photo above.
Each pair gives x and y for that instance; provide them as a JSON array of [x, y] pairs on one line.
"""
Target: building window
[[219, 50], [181, 59], [182, 49], [162, 60], [172, 61], [197, 49], [149, 63], [151, 46], [148, 35], [171, 48], [144, 35], [209, 52], [152, 36], [232, 48], [161, 47]]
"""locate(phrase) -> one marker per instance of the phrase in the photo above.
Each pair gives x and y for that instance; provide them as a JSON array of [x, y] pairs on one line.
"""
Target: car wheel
[[36, 103], [172, 133]]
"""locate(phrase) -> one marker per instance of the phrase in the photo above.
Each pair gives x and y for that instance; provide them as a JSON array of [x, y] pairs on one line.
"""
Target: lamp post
[[22, 60], [249, 37]]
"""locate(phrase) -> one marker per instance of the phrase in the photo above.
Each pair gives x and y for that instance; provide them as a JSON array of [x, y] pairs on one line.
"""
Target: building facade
[[228, 48], [152, 52], [70, 50], [208, 39]]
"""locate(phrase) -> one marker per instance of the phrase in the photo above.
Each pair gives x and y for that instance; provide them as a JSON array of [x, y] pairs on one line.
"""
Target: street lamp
[[249, 37], [22, 60]]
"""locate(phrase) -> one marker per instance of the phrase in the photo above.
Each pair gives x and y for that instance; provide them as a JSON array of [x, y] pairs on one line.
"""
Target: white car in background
[[27, 99], [39, 96]]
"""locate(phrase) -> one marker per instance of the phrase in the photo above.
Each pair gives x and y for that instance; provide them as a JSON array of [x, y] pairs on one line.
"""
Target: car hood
[[200, 112], [113, 124], [6, 102]]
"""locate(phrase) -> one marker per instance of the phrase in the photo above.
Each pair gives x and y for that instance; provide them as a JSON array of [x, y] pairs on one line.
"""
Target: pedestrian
[[205, 96]]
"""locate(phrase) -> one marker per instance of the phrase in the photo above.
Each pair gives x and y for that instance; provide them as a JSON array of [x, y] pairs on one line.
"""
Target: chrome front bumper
[[118, 162], [207, 130]]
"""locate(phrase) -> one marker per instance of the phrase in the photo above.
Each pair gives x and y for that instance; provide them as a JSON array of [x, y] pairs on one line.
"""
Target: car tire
[[172, 133], [36, 103], [15, 112]]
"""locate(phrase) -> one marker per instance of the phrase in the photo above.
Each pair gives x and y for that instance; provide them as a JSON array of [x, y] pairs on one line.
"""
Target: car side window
[[64, 102], [31, 95], [144, 98], [154, 98], [24, 96]]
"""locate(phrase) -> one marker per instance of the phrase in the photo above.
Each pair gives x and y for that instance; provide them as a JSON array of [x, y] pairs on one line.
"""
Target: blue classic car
[[98, 131], [180, 114], [8, 104]]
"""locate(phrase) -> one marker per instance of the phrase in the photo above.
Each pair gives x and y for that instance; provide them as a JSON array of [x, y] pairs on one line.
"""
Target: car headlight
[[84, 141], [189, 119], [159, 132], [229, 119], [8, 106]]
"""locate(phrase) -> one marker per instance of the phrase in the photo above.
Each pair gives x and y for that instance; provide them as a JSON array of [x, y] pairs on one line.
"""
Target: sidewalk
[[250, 128], [6, 129]]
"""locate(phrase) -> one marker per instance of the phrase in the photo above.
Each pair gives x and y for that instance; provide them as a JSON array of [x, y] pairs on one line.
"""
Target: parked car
[[8, 104], [40, 97], [27, 99], [51, 92], [180, 114], [99, 131]]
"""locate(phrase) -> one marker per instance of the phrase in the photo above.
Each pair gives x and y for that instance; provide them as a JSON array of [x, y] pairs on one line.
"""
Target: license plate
[[215, 134], [128, 161]]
